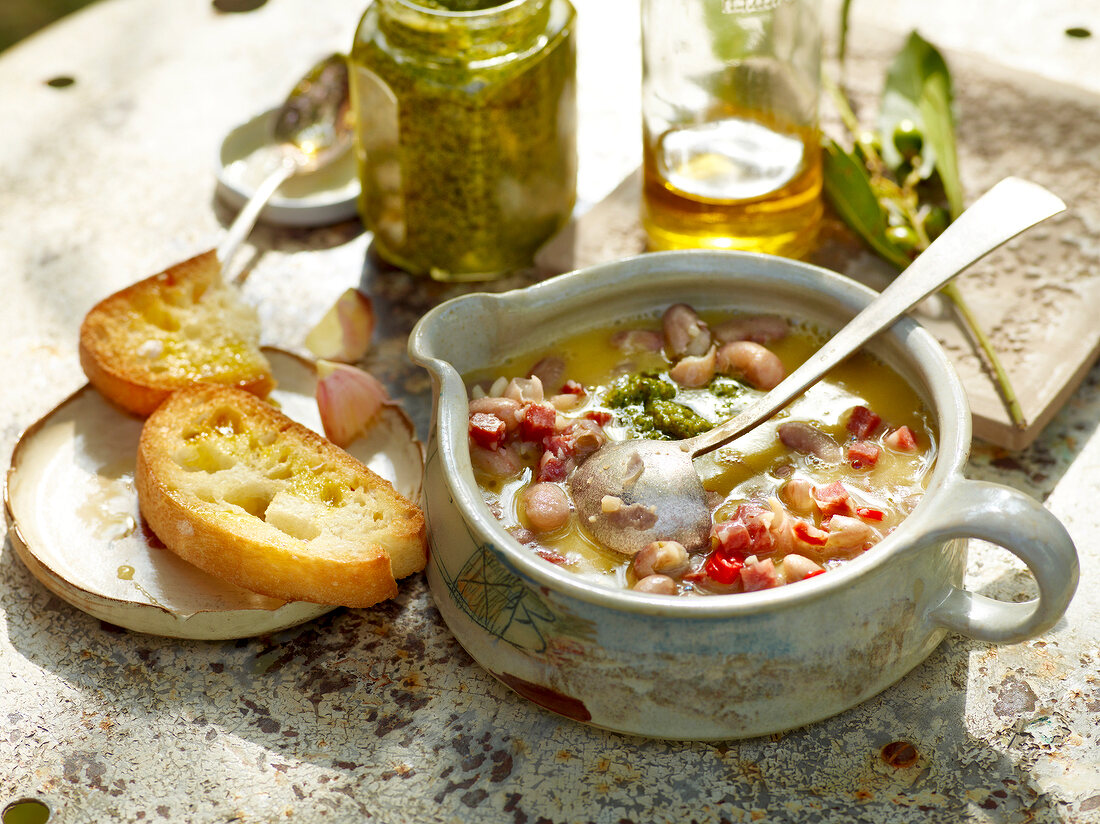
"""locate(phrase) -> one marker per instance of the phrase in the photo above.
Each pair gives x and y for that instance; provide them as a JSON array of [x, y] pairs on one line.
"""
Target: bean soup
[[822, 482]]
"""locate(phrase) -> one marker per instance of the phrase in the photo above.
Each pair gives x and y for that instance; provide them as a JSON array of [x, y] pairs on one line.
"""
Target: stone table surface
[[379, 714]]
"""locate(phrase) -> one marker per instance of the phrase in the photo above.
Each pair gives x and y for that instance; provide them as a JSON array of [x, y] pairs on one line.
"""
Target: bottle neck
[[462, 30]]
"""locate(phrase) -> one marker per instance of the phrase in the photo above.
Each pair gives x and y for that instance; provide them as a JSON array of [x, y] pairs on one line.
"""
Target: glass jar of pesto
[[465, 131]]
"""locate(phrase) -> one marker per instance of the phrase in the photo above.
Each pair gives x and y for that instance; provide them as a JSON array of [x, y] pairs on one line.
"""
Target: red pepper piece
[[863, 422], [487, 431], [600, 416], [869, 514], [813, 574], [723, 570], [571, 387], [863, 454], [537, 422], [551, 556], [809, 534]]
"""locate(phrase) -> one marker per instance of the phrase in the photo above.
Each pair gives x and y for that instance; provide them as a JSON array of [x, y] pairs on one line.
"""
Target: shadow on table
[[361, 702]]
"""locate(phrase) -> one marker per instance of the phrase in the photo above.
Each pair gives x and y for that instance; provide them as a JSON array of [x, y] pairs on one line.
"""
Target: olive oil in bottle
[[733, 184], [730, 91]]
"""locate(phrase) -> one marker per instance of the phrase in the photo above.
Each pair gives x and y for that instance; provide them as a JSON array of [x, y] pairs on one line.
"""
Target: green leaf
[[918, 88], [849, 191], [939, 126]]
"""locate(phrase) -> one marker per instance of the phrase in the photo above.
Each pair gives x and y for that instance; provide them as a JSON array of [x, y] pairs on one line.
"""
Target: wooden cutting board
[[1037, 298]]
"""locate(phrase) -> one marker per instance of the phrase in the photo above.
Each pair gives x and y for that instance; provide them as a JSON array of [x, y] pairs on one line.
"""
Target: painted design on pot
[[497, 601]]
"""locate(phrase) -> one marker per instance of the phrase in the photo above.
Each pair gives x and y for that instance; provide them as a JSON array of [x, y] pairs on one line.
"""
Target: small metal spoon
[[312, 128], [630, 493]]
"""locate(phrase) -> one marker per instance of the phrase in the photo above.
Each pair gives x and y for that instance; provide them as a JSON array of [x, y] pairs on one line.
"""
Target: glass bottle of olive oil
[[466, 131], [731, 148]]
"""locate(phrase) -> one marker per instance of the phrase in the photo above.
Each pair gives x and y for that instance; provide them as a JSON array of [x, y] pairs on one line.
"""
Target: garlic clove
[[344, 332], [349, 400]]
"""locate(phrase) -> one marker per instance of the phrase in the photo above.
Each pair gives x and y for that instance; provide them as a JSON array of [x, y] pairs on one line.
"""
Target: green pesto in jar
[[465, 131]]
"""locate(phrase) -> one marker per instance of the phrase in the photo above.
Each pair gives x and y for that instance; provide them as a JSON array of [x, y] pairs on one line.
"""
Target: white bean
[[694, 371], [847, 533], [797, 567], [633, 341], [497, 463], [796, 493], [550, 370], [759, 328], [661, 557], [761, 367], [806, 439], [685, 333], [546, 506], [525, 390], [656, 585]]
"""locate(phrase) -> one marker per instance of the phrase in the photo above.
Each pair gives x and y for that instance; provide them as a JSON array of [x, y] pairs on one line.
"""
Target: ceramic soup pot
[[721, 666]]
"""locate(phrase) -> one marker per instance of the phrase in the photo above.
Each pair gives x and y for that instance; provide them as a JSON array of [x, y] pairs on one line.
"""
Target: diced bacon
[[560, 445], [537, 422], [902, 439], [504, 408], [746, 533], [809, 534], [723, 570], [487, 431], [833, 499], [758, 520], [571, 387], [731, 538], [553, 468], [863, 422], [863, 454], [869, 514], [756, 575], [600, 416]]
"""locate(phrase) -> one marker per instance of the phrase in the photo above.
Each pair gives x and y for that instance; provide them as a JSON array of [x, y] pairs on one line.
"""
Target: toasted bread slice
[[241, 491], [182, 326]]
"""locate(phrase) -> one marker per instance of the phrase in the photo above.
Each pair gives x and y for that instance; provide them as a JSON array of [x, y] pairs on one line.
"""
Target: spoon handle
[[1007, 209], [246, 218]]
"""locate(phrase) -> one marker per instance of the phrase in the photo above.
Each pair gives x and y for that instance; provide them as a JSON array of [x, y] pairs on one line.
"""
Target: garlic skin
[[344, 332], [348, 399]]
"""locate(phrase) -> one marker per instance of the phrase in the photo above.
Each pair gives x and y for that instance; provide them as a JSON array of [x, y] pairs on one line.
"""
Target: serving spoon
[[312, 129], [630, 493]]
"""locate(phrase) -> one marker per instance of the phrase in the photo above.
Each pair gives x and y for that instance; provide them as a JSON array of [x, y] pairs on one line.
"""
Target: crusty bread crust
[[238, 489], [181, 326]]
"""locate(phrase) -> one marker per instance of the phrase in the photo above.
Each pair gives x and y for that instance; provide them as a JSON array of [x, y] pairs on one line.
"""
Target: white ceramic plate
[[75, 522], [313, 199]]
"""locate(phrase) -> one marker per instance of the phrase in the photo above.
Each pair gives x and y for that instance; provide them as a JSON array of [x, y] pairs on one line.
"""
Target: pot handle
[[1020, 524]]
